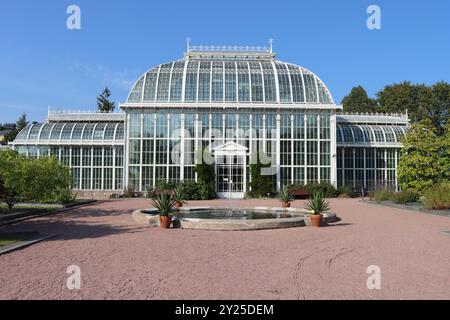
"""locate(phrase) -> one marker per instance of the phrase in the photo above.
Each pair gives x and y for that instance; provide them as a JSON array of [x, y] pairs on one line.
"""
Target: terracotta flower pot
[[165, 221], [316, 220], [286, 205]]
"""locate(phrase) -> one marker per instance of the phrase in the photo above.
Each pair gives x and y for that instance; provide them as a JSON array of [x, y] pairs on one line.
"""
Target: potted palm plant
[[286, 197], [179, 196], [165, 205], [317, 205]]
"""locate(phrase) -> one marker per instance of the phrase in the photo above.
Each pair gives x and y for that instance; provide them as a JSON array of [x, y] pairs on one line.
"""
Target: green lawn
[[11, 238]]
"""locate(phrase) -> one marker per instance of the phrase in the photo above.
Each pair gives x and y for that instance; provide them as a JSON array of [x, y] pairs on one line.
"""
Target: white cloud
[[123, 79]]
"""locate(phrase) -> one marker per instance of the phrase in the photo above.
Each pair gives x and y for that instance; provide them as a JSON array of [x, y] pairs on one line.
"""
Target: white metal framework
[[233, 102]]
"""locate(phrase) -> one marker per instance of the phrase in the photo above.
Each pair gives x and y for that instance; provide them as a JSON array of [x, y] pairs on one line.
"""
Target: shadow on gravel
[[337, 225], [70, 226]]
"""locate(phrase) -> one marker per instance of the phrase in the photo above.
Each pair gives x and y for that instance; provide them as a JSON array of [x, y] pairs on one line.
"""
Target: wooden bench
[[299, 192]]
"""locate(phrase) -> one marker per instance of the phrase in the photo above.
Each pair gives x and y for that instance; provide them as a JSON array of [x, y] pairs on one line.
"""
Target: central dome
[[231, 77]]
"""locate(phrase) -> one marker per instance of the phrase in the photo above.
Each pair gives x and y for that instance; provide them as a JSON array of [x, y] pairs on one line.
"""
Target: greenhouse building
[[223, 105]]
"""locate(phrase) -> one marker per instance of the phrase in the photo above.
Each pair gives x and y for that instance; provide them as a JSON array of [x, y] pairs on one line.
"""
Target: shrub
[[348, 192], [437, 197], [405, 197], [327, 190], [164, 185], [382, 195], [191, 190], [206, 181], [260, 185], [37, 180]]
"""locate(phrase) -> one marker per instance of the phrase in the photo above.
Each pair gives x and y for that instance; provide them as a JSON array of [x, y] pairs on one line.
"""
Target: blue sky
[[42, 63]]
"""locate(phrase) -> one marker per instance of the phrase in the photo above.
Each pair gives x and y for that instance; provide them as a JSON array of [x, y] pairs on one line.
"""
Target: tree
[[11, 136], [103, 102], [48, 172], [22, 122], [11, 176], [260, 185], [38, 180], [421, 101], [358, 101], [425, 157], [439, 109]]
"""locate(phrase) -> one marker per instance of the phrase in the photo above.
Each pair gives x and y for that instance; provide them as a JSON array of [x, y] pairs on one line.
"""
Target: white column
[[141, 156], [126, 151], [318, 150], [305, 125], [278, 148], [113, 185], [396, 170], [333, 148], [375, 171], [103, 169], [92, 168], [182, 145], [354, 167], [385, 167], [168, 142], [365, 169], [292, 148], [154, 149]]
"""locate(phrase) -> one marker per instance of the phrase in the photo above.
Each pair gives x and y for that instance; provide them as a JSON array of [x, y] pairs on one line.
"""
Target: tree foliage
[[22, 122], [422, 102], [358, 101], [425, 157], [12, 177], [103, 103], [38, 180]]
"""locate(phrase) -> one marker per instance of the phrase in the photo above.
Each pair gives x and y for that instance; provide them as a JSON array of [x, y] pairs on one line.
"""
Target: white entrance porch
[[231, 170]]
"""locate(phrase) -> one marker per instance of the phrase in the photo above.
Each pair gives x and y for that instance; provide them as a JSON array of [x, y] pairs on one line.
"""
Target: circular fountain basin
[[226, 219]]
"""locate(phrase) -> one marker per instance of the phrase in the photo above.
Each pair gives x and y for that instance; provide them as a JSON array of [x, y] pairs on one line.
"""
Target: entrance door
[[230, 174], [230, 164]]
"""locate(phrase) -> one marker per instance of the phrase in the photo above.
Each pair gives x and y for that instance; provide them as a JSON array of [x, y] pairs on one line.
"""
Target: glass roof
[[355, 133], [225, 80], [72, 132]]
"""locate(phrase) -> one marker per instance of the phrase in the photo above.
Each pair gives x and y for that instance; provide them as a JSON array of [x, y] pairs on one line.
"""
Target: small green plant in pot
[[286, 197], [179, 196], [165, 206], [317, 205]]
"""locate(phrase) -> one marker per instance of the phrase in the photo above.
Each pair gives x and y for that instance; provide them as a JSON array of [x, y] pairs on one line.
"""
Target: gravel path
[[121, 260]]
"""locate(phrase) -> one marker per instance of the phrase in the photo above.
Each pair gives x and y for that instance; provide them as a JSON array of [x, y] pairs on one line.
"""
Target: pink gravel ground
[[122, 260]]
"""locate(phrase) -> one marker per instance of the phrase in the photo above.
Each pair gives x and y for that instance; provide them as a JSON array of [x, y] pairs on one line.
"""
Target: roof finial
[[271, 45], [188, 45]]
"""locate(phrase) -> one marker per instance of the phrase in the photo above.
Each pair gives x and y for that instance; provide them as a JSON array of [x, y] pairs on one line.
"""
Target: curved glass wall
[[355, 133], [215, 80], [71, 132]]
